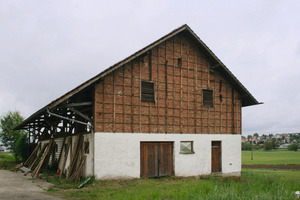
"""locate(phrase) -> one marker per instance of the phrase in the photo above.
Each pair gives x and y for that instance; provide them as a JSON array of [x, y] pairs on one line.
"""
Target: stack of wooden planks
[[44, 159], [40, 157], [33, 155], [77, 160]]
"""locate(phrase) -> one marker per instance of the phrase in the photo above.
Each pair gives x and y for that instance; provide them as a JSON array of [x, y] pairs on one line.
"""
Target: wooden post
[[188, 91], [140, 102], [114, 106], [166, 79], [66, 153], [157, 89], [226, 112], [173, 86], [195, 91], [166, 100], [201, 92], [233, 131], [221, 102], [103, 110], [180, 86], [132, 95], [208, 112], [123, 99]]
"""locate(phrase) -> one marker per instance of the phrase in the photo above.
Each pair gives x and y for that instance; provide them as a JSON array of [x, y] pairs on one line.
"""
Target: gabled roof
[[247, 98]]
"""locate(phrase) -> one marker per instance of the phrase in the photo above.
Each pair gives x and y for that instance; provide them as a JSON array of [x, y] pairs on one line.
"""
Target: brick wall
[[178, 106]]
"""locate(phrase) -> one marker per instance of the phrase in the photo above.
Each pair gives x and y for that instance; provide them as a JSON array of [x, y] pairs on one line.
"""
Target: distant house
[[283, 146], [172, 108]]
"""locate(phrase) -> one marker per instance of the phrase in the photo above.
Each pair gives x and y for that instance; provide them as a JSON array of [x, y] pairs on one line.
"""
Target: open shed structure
[[172, 108]]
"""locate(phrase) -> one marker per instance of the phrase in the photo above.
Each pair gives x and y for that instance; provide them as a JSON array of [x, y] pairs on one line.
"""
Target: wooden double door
[[157, 159]]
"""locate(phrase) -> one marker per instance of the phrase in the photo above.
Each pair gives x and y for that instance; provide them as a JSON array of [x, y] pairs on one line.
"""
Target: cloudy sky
[[49, 47]]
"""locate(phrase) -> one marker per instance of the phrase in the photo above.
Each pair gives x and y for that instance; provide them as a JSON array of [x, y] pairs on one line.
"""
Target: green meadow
[[7, 161], [275, 157], [253, 184]]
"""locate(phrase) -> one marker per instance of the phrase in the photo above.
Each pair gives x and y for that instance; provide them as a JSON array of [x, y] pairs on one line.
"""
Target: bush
[[256, 147], [293, 147], [246, 146], [22, 149], [268, 146]]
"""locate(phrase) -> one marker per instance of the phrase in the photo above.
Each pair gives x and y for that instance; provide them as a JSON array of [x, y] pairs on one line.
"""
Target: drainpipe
[[89, 125]]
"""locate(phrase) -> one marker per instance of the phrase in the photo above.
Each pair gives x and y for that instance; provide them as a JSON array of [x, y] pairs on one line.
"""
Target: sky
[[49, 47]]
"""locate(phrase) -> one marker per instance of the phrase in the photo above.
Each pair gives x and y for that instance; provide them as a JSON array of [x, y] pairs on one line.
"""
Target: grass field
[[253, 184], [7, 161], [276, 157]]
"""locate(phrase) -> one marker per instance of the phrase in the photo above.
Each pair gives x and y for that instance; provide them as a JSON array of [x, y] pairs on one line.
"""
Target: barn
[[170, 109]]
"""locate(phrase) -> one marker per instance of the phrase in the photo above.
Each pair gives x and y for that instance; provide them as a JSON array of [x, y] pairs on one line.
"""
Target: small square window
[[147, 93], [186, 147], [208, 98]]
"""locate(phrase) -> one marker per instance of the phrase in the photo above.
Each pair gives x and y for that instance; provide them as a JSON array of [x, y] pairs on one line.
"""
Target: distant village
[[282, 140]]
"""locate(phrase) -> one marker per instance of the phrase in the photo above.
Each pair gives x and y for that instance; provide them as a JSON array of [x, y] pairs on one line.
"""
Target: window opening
[[179, 62], [208, 98], [147, 91]]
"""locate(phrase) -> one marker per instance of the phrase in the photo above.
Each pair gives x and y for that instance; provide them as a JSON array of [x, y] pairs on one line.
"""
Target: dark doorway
[[216, 165], [156, 159]]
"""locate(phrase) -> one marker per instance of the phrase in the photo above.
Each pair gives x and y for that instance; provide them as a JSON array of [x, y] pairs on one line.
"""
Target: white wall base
[[117, 155]]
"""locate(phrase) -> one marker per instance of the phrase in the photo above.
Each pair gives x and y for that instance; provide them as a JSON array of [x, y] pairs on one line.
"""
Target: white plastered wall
[[117, 155]]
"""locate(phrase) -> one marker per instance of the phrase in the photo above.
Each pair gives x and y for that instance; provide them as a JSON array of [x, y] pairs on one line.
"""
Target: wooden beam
[[78, 104], [114, 99], [81, 114]]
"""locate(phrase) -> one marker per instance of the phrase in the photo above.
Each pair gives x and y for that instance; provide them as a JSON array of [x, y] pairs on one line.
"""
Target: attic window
[[208, 98], [147, 93]]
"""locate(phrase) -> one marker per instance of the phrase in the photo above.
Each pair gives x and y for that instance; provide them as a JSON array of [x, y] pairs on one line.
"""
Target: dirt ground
[[15, 186], [295, 167]]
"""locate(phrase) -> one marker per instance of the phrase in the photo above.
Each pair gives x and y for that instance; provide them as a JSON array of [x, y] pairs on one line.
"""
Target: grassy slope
[[277, 157], [253, 184]]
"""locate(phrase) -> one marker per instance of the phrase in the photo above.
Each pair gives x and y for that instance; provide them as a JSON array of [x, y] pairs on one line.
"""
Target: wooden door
[[156, 159], [216, 164]]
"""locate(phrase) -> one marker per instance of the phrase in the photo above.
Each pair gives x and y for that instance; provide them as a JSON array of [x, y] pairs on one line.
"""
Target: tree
[[293, 147], [22, 148], [268, 146], [246, 146], [249, 136], [255, 135], [275, 143], [8, 135]]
